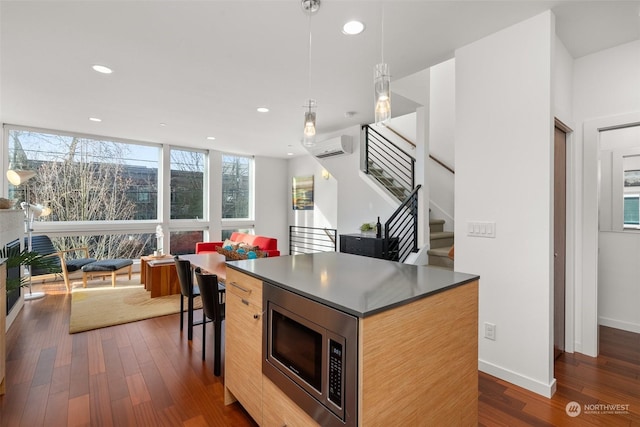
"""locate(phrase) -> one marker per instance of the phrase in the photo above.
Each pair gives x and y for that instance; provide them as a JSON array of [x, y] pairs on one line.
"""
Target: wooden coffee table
[[159, 276]]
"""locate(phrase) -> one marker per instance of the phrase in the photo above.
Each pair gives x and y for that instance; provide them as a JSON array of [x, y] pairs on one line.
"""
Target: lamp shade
[[309, 133], [38, 210], [381, 82], [19, 177]]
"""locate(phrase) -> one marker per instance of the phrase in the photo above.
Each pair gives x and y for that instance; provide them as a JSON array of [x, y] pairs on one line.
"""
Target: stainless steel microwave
[[310, 353]]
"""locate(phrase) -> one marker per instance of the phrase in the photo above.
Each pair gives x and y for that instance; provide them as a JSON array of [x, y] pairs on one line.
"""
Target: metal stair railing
[[388, 164], [401, 229], [306, 240]]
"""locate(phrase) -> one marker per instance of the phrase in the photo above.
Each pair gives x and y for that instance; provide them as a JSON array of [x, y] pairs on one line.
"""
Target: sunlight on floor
[[57, 287]]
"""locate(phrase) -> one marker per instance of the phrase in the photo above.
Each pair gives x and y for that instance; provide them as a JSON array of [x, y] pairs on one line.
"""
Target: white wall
[[562, 83], [442, 121], [618, 284], [606, 90], [325, 209], [346, 200], [436, 88], [618, 267], [504, 159], [563, 110], [271, 200]]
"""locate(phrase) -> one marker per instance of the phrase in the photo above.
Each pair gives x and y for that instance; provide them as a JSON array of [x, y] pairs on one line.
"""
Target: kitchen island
[[417, 337]]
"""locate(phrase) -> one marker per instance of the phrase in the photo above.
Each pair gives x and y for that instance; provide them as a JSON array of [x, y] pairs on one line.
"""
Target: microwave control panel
[[335, 373]]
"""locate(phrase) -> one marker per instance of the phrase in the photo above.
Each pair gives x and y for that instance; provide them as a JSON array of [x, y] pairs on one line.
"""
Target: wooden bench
[[105, 267]]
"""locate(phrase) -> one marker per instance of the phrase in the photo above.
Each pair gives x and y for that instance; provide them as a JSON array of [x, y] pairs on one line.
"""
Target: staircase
[[388, 182], [441, 242], [394, 170]]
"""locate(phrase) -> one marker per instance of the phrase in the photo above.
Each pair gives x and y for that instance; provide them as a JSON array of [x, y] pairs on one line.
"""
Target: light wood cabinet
[[280, 411], [243, 342], [419, 362], [3, 316]]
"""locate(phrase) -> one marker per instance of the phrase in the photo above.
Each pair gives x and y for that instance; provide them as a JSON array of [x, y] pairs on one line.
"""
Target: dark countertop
[[355, 284]]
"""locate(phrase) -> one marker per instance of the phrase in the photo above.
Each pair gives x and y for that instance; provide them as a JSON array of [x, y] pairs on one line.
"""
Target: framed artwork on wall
[[302, 193]]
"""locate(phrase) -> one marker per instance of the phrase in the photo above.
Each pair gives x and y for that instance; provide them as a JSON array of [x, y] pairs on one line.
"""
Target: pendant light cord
[[309, 89], [382, 36]]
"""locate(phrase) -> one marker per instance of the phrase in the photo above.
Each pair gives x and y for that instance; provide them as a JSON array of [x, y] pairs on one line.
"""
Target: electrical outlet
[[490, 331]]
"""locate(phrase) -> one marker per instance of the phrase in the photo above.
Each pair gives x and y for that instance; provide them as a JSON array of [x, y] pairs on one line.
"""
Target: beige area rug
[[98, 307]]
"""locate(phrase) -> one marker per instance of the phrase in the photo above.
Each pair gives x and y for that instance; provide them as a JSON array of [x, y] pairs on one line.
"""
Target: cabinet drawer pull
[[256, 316], [244, 301], [235, 285]]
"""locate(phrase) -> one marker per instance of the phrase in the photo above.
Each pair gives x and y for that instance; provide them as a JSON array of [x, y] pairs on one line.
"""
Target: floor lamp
[[18, 177]]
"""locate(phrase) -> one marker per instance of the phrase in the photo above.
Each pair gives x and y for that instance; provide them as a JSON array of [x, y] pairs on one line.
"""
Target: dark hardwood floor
[[147, 374]]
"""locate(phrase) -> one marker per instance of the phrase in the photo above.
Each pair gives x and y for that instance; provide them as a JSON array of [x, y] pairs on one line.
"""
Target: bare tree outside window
[[187, 180], [84, 179], [236, 173]]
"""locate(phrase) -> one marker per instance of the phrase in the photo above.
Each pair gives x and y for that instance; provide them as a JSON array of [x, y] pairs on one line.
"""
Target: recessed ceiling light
[[95, 119], [289, 154], [163, 124], [263, 110], [102, 69], [211, 138], [352, 28]]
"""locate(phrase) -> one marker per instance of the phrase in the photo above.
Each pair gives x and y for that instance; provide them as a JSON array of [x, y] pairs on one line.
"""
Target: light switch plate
[[481, 229]]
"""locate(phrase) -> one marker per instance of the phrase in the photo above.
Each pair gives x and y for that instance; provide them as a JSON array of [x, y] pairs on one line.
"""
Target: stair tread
[[436, 221], [441, 235], [439, 258], [444, 251]]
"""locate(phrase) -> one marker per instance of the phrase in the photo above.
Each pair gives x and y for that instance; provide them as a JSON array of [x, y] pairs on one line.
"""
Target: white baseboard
[[577, 347], [546, 390], [619, 324]]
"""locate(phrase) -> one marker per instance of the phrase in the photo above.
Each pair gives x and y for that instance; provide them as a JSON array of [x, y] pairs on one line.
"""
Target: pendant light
[[309, 134], [309, 139], [381, 84]]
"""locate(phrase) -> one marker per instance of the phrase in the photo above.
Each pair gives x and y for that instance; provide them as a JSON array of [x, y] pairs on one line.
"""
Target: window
[[187, 178], [184, 242], [226, 234], [104, 193], [632, 210], [237, 182], [86, 179], [109, 246]]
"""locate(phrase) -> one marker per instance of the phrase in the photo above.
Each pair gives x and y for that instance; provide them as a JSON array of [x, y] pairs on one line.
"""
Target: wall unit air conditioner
[[333, 147]]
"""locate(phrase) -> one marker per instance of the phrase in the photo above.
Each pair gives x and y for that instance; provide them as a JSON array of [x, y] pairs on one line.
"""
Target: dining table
[[211, 263]]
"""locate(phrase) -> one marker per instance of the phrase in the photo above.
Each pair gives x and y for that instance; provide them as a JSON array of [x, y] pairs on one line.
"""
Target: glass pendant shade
[[309, 139], [381, 84]]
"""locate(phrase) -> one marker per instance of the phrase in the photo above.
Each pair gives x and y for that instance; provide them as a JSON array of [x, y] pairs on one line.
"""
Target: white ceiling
[[202, 67]]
